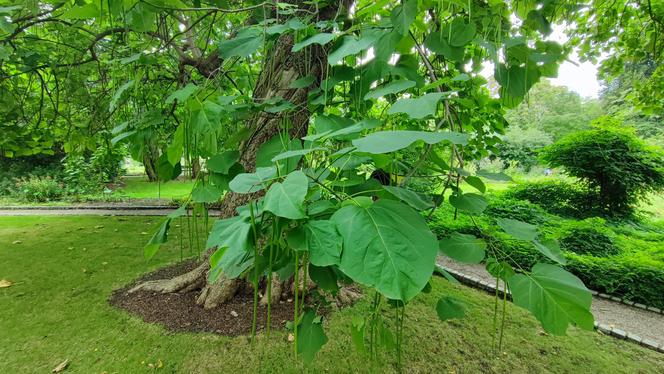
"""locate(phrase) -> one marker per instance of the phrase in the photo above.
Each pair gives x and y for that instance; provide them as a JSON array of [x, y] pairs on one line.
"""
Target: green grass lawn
[[140, 188], [65, 268]]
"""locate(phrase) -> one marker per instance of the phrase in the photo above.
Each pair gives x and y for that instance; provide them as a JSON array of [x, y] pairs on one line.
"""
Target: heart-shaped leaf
[[286, 199], [554, 296], [387, 245], [463, 248]]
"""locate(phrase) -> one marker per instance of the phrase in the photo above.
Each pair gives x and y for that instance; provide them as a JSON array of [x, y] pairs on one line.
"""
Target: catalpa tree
[[308, 123]]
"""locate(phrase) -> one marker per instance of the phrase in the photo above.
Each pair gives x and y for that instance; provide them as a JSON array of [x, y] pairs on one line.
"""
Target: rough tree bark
[[281, 68]]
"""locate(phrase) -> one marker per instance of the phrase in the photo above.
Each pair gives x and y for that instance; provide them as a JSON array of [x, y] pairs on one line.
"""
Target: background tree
[[554, 110], [613, 161]]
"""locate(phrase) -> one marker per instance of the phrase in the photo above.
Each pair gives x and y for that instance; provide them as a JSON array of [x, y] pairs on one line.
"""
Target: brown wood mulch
[[179, 312]]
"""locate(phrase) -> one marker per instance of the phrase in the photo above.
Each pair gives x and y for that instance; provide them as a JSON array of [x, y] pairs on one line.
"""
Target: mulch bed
[[179, 312]]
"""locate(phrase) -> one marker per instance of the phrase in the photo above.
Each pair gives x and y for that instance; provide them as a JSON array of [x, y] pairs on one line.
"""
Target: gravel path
[[644, 323]]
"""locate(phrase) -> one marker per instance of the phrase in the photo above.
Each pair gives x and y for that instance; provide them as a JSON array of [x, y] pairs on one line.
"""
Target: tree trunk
[[150, 157], [280, 69]]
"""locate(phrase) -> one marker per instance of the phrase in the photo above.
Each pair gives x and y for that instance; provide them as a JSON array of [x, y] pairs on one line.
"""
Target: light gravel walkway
[[644, 323]]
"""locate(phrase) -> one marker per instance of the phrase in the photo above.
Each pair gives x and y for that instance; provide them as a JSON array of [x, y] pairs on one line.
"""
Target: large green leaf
[[286, 199], [233, 256], [463, 248], [182, 94], [252, 182], [82, 12], [554, 296], [477, 183], [438, 43], [295, 153], [387, 245], [411, 198], [247, 41], [403, 15], [390, 141], [277, 145], [459, 32], [471, 203], [310, 336], [118, 94], [206, 194], [323, 242], [517, 229], [515, 81], [158, 238], [450, 307], [322, 39], [551, 249], [166, 171], [350, 46], [419, 107], [324, 277], [389, 89], [223, 162]]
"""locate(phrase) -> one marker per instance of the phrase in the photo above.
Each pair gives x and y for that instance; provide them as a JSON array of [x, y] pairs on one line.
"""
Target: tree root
[[217, 293], [347, 297], [212, 295], [175, 284], [277, 288]]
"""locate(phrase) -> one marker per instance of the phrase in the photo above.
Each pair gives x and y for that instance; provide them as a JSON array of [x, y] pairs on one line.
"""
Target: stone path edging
[[606, 329]]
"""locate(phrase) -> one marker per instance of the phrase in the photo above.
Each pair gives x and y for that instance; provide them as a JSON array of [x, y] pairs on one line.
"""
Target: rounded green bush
[[556, 197], [589, 241], [612, 161]]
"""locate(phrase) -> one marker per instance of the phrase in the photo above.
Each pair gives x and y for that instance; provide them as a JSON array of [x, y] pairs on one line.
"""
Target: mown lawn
[[140, 188], [65, 268]]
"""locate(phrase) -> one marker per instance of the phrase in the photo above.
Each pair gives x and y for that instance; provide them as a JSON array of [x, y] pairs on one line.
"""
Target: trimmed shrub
[[618, 276], [516, 209], [556, 197], [612, 161], [38, 189], [589, 241]]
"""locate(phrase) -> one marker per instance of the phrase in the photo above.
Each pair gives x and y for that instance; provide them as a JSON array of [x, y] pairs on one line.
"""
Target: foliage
[[589, 241], [556, 197], [38, 189], [640, 24], [552, 111], [633, 254], [516, 208], [613, 162], [520, 147], [12, 169], [625, 277], [618, 98]]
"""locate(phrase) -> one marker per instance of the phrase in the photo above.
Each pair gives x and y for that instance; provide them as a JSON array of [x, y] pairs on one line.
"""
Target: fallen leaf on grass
[[63, 365], [17, 242], [5, 283]]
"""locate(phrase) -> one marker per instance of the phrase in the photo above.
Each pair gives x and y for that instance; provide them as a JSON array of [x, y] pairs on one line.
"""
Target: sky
[[580, 78], [577, 76]]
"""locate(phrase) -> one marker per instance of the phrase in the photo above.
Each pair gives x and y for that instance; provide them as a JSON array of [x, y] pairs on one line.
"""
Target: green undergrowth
[[63, 270], [132, 188], [621, 258]]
